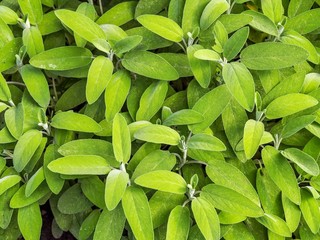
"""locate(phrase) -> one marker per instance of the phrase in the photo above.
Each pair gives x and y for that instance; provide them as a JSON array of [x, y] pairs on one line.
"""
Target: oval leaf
[[158, 134], [80, 165], [178, 223], [275, 224], [136, 209], [289, 104], [150, 65], [163, 180], [272, 55], [30, 221], [62, 58], [281, 173], [162, 26], [206, 142], [253, 132], [75, 122]]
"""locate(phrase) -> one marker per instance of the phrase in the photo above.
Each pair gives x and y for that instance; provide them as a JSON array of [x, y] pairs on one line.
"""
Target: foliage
[[160, 119]]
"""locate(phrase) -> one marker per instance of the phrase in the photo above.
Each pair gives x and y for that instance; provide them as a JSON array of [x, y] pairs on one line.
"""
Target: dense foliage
[[160, 119]]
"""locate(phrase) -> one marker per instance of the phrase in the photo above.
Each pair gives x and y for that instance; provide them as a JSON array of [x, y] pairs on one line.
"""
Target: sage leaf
[[290, 104], [158, 134], [80, 165], [62, 58], [272, 55], [99, 74], [163, 180], [150, 65], [162, 26], [75, 122], [116, 185], [306, 162], [281, 173], [137, 211]]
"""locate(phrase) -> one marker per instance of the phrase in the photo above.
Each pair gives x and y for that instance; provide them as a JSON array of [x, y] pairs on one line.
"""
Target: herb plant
[[160, 119]]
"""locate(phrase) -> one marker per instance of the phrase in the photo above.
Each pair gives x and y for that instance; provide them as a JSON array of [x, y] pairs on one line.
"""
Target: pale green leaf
[[163, 180], [178, 223], [80, 165], [253, 132], [162, 26], [137, 211], [158, 134], [116, 185], [281, 173]]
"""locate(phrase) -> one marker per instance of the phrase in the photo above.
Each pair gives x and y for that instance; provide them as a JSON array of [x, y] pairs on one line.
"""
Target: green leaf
[[5, 94], [152, 100], [150, 6], [30, 221], [73, 201], [273, 10], [292, 213], [294, 38], [231, 201], [99, 74], [7, 182], [163, 180], [116, 185], [150, 65], [211, 12], [93, 188], [34, 182], [192, 12], [80, 24], [162, 26], [183, 117], [306, 162], [25, 148], [33, 9], [120, 14], [290, 104], [275, 224], [305, 22], [206, 142], [136, 209], [8, 54], [62, 58], [161, 204], [32, 39], [36, 84], [310, 210], [121, 139], [111, 224], [127, 44], [75, 122], [8, 15], [240, 83], [207, 54], [178, 223], [233, 22], [296, 124], [281, 173], [53, 180], [88, 225], [201, 69], [97, 147], [219, 95], [299, 6], [272, 55], [116, 93], [156, 160], [179, 61], [229, 176], [206, 218], [261, 22], [253, 132], [235, 43], [158, 134], [80, 165], [19, 199], [14, 118]]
